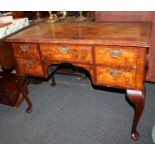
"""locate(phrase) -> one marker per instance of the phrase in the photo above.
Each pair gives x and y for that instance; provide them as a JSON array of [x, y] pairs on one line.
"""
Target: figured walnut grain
[[124, 78], [127, 56], [74, 53]]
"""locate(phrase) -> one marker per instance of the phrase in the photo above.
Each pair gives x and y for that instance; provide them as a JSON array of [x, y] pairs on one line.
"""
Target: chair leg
[[24, 93], [19, 101]]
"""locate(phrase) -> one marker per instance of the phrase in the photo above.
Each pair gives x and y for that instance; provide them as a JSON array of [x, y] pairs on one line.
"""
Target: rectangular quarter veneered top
[[116, 33]]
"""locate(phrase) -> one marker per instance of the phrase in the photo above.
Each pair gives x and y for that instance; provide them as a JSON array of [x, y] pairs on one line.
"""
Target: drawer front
[[116, 77], [67, 53], [30, 67], [116, 56], [26, 51]]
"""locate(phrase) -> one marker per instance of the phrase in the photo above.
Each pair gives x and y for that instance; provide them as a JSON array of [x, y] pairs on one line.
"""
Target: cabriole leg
[[53, 83], [137, 98]]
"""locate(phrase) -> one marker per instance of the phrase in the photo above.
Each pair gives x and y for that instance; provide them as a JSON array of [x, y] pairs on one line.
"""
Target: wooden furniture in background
[[13, 89], [114, 54], [134, 16]]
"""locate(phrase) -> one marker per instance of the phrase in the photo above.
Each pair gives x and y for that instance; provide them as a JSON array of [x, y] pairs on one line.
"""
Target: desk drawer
[[115, 77], [23, 50], [67, 53], [116, 56], [30, 67]]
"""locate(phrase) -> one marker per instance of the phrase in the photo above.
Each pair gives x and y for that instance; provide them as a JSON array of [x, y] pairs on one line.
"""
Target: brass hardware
[[115, 72], [24, 48], [115, 53], [64, 50], [28, 63]]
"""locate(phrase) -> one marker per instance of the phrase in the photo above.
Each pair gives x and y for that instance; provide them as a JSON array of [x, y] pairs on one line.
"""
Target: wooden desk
[[113, 54]]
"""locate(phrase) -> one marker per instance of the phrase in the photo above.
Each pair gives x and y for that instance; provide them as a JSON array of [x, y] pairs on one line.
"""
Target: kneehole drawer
[[67, 53]]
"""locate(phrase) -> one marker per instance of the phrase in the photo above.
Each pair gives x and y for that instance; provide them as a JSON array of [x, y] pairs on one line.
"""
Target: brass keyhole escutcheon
[[115, 53], [28, 63], [24, 48], [115, 72], [64, 50]]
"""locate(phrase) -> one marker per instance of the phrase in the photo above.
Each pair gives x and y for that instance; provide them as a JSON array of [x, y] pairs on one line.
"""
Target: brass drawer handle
[[115, 53], [24, 48], [115, 72], [28, 63], [64, 50]]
